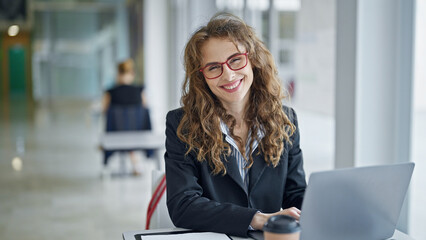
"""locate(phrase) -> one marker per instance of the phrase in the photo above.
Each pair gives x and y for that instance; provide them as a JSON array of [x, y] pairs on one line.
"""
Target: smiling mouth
[[232, 86]]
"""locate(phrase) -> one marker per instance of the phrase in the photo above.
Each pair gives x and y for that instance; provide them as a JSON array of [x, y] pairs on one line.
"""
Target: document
[[188, 236]]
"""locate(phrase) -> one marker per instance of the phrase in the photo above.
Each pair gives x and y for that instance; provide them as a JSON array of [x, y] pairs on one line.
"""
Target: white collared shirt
[[241, 162]]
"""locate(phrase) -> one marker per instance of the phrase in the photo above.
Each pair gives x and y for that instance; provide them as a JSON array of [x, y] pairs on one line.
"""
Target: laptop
[[354, 203]]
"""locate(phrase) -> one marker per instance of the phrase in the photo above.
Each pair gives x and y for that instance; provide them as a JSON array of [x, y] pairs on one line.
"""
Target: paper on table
[[188, 236]]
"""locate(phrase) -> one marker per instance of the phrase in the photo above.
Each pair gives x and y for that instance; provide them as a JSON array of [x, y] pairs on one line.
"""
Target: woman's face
[[126, 78], [232, 88]]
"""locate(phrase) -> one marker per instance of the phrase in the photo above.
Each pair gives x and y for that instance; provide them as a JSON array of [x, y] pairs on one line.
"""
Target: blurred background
[[354, 71]]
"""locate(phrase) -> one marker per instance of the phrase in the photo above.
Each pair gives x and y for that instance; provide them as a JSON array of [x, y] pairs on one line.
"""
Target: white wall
[[420, 57], [418, 151], [155, 60], [376, 65]]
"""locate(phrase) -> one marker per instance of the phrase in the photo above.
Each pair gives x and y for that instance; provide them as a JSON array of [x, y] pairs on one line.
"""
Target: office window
[[287, 22], [417, 212], [314, 68]]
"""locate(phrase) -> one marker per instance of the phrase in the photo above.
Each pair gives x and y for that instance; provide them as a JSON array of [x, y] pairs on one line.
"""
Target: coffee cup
[[281, 227]]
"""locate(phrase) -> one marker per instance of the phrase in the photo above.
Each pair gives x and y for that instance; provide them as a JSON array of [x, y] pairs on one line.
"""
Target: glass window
[[287, 23], [418, 136], [309, 45]]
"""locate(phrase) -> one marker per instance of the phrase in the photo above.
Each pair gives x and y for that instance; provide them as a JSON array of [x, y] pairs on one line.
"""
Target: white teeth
[[232, 86]]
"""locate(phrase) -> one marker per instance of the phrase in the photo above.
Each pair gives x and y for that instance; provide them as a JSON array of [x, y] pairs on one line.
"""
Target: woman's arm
[[143, 99], [186, 204], [296, 181], [106, 100]]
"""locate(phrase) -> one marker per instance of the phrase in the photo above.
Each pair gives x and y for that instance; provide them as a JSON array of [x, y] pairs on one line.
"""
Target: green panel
[[17, 69]]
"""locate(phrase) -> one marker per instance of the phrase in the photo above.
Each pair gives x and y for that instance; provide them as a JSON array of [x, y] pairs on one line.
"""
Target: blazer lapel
[[256, 169], [233, 172], [232, 168]]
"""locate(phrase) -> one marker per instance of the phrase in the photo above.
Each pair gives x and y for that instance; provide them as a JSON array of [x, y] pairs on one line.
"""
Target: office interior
[[353, 70]]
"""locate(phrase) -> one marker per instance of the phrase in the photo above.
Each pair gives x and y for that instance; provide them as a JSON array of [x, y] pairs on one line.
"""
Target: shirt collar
[[225, 130]]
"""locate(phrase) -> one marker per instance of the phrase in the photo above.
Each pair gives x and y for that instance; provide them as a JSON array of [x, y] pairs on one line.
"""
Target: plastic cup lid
[[281, 224]]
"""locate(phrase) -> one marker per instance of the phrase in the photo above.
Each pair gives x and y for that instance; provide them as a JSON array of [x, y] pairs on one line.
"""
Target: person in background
[[232, 157], [124, 93]]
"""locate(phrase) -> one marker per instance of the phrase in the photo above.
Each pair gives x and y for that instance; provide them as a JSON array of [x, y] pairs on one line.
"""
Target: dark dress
[[126, 95], [126, 113]]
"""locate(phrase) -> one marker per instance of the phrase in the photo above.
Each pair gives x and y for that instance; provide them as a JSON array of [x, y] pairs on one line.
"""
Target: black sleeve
[[296, 181], [186, 204]]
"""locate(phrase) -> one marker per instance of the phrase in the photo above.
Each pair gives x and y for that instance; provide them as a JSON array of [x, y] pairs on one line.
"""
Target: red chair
[[157, 213]]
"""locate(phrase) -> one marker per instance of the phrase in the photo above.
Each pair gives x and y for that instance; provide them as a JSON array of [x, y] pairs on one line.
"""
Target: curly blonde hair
[[200, 125]]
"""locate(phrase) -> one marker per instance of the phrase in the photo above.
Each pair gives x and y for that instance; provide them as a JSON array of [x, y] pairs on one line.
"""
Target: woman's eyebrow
[[211, 63]]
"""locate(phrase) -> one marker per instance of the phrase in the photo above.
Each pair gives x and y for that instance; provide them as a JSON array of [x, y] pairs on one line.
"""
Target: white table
[[130, 140], [130, 235]]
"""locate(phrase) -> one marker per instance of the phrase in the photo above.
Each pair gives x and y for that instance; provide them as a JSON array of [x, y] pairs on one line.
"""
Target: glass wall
[[76, 47], [314, 68], [300, 35], [418, 136]]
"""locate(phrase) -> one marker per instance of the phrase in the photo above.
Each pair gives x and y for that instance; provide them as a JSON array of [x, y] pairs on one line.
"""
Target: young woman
[[124, 94], [232, 151]]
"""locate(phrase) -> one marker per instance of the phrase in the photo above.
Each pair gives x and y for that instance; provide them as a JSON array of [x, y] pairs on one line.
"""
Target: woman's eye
[[236, 59], [213, 68]]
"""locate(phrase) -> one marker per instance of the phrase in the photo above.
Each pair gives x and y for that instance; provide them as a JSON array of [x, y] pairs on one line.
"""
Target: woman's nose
[[227, 73]]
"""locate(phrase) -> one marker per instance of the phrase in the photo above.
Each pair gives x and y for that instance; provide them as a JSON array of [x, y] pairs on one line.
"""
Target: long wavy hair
[[200, 125]]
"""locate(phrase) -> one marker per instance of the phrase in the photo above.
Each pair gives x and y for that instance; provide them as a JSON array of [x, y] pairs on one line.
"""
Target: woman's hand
[[259, 219], [292, 212]]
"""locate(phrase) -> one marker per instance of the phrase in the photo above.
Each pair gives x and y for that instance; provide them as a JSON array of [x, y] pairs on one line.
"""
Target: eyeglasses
[[235, 63]]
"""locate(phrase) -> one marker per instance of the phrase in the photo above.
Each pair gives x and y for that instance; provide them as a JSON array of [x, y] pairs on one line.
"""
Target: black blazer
[[199, 200]]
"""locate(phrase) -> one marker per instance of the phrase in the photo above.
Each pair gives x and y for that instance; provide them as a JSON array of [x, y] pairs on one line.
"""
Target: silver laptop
[[356, 203]]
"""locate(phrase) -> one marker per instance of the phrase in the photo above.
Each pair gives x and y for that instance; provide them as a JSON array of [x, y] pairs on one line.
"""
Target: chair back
[[157, 214], [127, 118]]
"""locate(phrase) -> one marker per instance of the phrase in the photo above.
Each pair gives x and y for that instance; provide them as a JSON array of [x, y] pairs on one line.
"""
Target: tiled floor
[[59, 194]]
